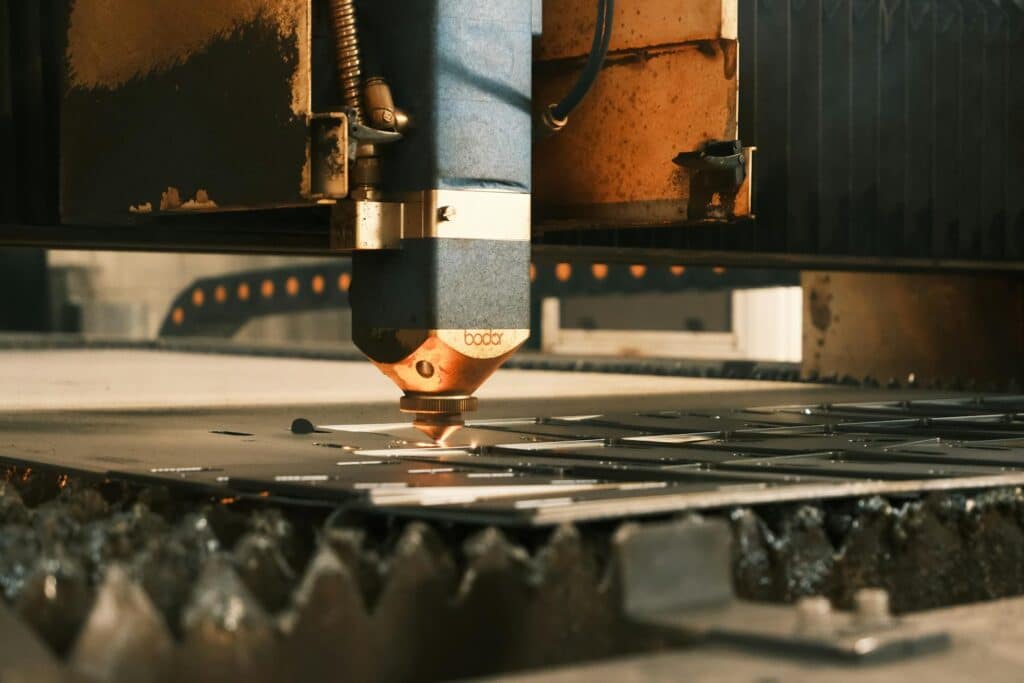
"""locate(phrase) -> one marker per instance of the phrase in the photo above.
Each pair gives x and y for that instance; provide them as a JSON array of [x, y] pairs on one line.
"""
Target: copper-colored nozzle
[[426, 404], [439, 370], [439, 417], [439, 428]]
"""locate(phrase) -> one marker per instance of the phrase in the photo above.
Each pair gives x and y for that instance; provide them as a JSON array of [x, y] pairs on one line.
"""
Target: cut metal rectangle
[[677, 439], [628, 455], [838, 465], [668, 423]]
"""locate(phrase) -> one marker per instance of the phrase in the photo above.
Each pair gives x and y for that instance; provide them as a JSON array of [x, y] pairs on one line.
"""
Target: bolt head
[[814, 615], [872, 607], [447, 213]]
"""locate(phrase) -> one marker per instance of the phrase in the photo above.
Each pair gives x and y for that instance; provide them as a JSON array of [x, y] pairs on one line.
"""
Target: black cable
[[598, 54]]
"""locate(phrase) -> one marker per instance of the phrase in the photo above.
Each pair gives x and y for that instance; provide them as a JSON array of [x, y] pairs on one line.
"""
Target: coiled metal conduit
[[346, 35]]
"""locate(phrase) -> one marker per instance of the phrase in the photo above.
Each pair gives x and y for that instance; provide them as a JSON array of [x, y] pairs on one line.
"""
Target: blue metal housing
[[463, 70]]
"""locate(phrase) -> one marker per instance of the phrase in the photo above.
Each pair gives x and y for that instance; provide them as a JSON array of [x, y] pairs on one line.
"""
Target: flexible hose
[[598, 54]]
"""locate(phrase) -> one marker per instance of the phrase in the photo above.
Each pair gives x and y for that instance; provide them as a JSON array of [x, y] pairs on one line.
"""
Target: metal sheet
[[534, 471]]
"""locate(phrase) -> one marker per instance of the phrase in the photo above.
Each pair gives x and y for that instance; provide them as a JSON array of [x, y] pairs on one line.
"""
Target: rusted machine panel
[[569, 24], [669, 86], [930, 330], [174, 105]]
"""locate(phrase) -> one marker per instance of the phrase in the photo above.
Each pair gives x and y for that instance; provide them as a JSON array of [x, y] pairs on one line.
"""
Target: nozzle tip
[[440, 428]]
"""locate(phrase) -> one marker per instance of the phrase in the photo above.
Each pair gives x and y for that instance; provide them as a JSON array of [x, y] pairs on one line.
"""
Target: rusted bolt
[[814, 615], [446, 213]]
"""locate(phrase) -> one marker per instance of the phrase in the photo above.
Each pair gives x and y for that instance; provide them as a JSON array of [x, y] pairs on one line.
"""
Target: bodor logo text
[[489, 338]]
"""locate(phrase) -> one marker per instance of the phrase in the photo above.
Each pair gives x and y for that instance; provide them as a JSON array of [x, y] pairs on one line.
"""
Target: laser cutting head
[[440, 292], [442, 311]]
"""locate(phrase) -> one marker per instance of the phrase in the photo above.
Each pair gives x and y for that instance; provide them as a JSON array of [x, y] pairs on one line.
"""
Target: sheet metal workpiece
[[441, 313]]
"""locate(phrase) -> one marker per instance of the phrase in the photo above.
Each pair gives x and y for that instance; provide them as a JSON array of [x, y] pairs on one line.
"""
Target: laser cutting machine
[[463, 154], [402, 135]]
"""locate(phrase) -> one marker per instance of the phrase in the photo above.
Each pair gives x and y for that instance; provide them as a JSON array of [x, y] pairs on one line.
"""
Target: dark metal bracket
[[722, 158], [676, 577]]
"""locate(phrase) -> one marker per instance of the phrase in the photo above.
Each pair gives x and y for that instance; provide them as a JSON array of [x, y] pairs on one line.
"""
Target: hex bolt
[[446, 213], [814, 616], [871, 608]]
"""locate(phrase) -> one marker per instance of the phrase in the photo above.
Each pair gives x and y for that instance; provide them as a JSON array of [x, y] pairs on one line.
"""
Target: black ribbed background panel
[[6, 120], [886, 128], [32, 33]]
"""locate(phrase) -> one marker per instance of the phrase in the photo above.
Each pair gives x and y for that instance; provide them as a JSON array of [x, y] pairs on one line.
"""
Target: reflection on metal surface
[[439, 426]]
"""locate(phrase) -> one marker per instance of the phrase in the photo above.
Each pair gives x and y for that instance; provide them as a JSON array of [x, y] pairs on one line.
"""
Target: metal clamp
[[360, 134], [724, 158], [440, 214]]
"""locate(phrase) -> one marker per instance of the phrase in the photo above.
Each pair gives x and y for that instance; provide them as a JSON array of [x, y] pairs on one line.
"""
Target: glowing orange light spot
[[317, 284], [243, 291], [198, 298], [563, 271], [344, 282], [267, 289], [718, 270], [638, 271], [291, 286], [533, 273], [178, 316], [677, 270], [220, 294], [599, 270]]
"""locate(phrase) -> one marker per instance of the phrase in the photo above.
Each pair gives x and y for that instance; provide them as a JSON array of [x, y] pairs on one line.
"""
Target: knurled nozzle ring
[[438, 405]]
